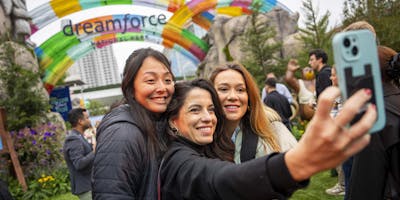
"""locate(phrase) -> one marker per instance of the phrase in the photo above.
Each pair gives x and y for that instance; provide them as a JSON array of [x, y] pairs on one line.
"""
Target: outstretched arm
[[290, 79], [327, 142]]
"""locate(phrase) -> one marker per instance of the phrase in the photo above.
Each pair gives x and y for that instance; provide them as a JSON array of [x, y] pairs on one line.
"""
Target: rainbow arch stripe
[[59, 52]]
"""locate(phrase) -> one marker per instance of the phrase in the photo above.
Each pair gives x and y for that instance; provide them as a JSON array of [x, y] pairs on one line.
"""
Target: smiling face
[[153, 85], [232, 94], [196, 119]]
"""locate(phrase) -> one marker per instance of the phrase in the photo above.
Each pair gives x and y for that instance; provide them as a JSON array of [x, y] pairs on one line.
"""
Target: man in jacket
[[318, 61], [278, 102], [79, 154]]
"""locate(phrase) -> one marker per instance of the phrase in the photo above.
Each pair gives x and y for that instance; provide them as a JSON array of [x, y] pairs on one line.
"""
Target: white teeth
[[231, 106], [205, 129]]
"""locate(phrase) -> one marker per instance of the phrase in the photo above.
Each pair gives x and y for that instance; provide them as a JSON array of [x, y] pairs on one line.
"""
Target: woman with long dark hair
[[131, 138]]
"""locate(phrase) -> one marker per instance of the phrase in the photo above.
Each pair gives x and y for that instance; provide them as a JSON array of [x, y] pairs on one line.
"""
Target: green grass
[[315, 191], [67, 196]]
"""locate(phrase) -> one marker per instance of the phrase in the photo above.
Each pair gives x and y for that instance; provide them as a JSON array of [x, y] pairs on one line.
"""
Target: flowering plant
[[39, 148]]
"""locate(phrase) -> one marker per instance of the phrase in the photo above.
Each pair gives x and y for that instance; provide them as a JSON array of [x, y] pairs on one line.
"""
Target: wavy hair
[[221, 147], [255, 119]]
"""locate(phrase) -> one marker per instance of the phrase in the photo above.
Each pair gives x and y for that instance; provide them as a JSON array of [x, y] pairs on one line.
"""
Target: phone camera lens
[[346, 42], [354, 51]]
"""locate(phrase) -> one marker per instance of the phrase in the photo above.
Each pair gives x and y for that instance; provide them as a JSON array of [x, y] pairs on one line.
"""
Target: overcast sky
[[122, 50]]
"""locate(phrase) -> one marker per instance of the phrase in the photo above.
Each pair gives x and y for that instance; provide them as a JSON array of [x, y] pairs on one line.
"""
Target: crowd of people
[[217, 138]]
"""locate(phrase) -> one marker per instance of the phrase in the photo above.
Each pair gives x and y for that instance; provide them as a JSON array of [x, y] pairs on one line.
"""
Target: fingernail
[[373, 106], [368, 91]]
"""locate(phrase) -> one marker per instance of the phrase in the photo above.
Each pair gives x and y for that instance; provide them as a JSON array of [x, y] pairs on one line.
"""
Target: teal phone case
[[357, 66]]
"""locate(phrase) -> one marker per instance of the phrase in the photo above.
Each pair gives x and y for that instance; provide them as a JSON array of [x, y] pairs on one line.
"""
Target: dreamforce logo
[[119, 23]]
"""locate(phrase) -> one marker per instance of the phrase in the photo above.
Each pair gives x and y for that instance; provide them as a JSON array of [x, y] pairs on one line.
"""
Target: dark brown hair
[[146, 121], [222, 147], [389, 61]]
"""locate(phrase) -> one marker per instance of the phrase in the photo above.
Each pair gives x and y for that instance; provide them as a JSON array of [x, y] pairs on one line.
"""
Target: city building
[[98, 68]]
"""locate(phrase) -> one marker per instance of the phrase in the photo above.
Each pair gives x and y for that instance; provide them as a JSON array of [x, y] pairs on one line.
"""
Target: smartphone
[[357, 66]]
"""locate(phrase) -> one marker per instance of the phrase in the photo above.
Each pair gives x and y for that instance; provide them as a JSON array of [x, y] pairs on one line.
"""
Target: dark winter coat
[[187, 174], [369, 176], [122, 168]]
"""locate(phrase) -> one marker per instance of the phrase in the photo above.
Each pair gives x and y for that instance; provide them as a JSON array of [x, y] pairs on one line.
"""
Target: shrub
[[39, 149], [23, 102], [44, 186]]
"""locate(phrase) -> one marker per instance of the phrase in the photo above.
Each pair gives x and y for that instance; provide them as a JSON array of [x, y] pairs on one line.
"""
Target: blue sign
[[60, 101]]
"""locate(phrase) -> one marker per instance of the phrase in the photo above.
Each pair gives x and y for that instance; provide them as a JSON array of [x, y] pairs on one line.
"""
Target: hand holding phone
[[357, 66]]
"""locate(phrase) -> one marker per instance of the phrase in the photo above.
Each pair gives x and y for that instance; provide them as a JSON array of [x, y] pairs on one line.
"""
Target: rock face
[[14, 25], [16, 17], [226, 32]]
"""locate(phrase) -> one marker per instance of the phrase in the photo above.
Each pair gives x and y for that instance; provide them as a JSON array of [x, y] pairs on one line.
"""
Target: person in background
[[131, 138], [375, 172], [4, 191], [281, 88], [304, 88], [255, 129], [347, 165], [90, 133], [198, 163], [318, 61], [79, 154], [339, 187], [278, 102]]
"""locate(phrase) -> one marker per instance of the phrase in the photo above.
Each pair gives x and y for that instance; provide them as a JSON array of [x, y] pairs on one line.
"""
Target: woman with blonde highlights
[[253, 132]]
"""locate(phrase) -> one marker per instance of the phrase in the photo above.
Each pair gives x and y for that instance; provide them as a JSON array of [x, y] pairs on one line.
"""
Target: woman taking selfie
[[196, 165]]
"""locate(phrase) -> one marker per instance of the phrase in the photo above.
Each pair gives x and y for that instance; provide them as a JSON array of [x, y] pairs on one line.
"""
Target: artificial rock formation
[[226, 32], [14, 27]]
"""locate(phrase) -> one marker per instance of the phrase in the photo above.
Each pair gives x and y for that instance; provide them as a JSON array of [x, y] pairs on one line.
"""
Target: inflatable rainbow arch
[[62, 49]]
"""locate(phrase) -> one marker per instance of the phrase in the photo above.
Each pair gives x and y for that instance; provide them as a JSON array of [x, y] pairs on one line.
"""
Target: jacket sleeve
[[118, 163], [265, 177], [76, 152]]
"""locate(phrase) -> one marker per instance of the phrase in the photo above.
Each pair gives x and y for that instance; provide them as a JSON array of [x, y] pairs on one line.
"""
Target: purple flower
[[48, 152], [20, 133], [33, 142], [33, 132], [48, 134], [44, 138]]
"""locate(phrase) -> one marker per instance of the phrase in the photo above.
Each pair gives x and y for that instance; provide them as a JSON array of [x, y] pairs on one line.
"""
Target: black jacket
[[322, 80], [281, 105], [369, 175], [78, 154], [187, 174], [121, 169]]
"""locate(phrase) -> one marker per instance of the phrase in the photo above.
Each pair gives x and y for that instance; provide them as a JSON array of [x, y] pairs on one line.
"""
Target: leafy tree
[[260, 49], [383, 15], [96, 108], [24, 105], [315, 35]]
